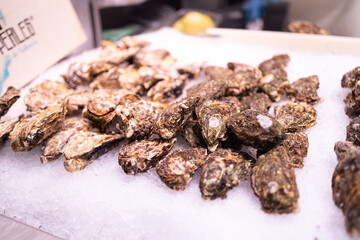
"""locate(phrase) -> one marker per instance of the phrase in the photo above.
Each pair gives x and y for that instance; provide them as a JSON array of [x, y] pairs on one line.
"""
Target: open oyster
[[8, 99], [33, 130], [139, 156]]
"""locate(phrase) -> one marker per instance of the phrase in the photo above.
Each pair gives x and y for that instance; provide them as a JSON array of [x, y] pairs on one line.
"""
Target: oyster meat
[[273, 181], [139, 156], [33, 130], [178, 167], [8, 99], [222, 170]]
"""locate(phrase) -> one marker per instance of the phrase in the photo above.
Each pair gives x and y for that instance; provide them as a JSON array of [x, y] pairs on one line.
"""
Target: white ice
[[102, 202]]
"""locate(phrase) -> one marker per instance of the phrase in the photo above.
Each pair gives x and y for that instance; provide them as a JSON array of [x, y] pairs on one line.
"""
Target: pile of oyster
[[346, 176], [132, 98]]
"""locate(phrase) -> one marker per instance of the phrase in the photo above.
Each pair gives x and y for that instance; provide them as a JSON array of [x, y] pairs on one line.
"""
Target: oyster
[[350, 78], [273, 181], [241, 67], [217, 73], [84, 147], [46, 94], [122, 50], [305, 90], [295, 117], [208, 90], [78, 100], [243, 82], [353, 131], [296, 145], [102, 104], [258, 101], [131, 80], [33, 130], [52, 147], [352, 108], [6, 127], [8, 99], [167, 90], [140, 156], [178, 167], [80, 73], [345, 184], [107, 80], [137, 118], [174, 117], [275, 84], [191, 71], [256, 129], [212, 116], [192, 133], [222, 171], [274, 63], [307, 27], [159, 58]]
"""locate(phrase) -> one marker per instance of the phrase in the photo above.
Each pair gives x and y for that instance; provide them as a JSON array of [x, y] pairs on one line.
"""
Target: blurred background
[[113, 19]]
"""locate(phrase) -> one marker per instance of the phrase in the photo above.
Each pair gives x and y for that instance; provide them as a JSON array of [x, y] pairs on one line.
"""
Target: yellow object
[[193, 23]]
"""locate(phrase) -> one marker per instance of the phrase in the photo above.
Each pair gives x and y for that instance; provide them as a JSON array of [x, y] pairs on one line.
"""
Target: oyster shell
[[243, 82], [350, 78], [305, 90], [275, 63], [159, 58], [212, 116], [107, 80], [208, 90], [6, 127], [217, 73], [295, 117], [167, 90], [192, 133], [173, 118], [273, 181], [140, 156], [137, 118], [83, 148], [33, 130], [222, 170], [275, 84], [307, 27], [191, 71], [258, 101], [78, 100], [178, 167], [8, 99], [296, 145], [52, 147], [256, 129]]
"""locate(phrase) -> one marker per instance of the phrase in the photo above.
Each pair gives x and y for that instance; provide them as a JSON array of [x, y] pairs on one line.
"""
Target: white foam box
[[102, 202]]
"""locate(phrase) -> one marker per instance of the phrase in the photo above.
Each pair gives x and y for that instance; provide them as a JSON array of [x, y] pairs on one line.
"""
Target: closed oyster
[[80, 73], [107, 80], [273, 181], [305, 90], [208, 90], [345, 184], [275, 63], [350, 78], [353, 131], [131, 80], [46, 94], [102, 104], [140, 156], [241, 67], [296, 145], [137, 118], [258, 101], [212, 116], [295, 117], [307, 27], [173, 118], [168, 89], [217, 73], [8, 99], [78, 100], [222, 170], [191, 71], [275, 84], [53, 146], [84, 147], [192, 133], [243, 82], [6, 127], [256, 129], [159, 58], [118, 52], [178, 167], [33, 130]]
